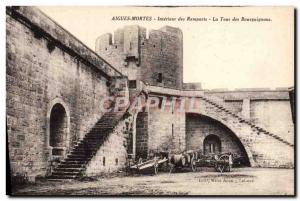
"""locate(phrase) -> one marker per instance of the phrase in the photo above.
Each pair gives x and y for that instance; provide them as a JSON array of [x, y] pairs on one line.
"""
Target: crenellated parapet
[[156, 59]]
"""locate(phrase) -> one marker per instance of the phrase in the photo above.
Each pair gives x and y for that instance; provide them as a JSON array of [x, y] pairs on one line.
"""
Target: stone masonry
[[47, 66], [156, 60], [54, 85]]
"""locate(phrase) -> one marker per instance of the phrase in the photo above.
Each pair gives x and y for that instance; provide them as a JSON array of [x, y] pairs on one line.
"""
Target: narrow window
[[159, 78], [172, 107], [132, 84], [117, 161], [161, 45], [172, 130], [160, 102], [103, 161]]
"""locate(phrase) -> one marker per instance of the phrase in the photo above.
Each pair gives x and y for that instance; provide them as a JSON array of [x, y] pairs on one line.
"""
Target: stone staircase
[[75, 163], [254, 127]]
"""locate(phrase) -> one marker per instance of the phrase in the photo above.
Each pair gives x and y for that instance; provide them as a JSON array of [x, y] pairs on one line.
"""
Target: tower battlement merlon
[[126, 42], [103, 41], [172, 30]]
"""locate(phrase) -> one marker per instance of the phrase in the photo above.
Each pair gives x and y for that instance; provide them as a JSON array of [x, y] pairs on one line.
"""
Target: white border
[[4, 3]]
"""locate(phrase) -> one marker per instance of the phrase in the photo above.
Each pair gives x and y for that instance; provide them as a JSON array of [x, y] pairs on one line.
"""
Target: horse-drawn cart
[[193, 159], [147, 166], [221, 162], [188, 159]]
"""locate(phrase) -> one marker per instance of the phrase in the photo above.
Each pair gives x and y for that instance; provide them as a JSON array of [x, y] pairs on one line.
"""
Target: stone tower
[[156, 60]]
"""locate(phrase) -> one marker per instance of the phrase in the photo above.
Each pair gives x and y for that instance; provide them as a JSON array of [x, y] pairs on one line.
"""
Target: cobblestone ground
[[242, 181]]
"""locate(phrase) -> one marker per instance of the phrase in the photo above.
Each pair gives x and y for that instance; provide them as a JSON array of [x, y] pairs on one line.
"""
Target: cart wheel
[[193, 165], [220, 168], [226, 158]]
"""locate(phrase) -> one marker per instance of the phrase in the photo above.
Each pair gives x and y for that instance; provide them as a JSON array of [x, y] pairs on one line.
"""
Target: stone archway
[[212, 136], [141, 136], [58, 129], [133, 141]]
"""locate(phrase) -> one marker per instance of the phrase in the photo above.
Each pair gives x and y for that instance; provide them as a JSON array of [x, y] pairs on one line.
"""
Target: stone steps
[[78, 157], [62, 177], [84, 150], [64, 173], [70, 165], [79, 153], [70, 169], [241, 120]]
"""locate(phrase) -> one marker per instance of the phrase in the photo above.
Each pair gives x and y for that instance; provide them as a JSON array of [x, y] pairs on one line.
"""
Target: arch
[[58, 125], [58, 128], [141, 136], [135, 113], [236, 136], [212, 144]]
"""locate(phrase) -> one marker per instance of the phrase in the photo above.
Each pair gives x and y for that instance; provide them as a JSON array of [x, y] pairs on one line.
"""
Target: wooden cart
[[147, 166], [193, 159], [188, 159], [221, 162]]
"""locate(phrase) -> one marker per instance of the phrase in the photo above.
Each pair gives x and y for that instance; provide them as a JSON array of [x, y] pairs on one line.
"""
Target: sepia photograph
[[175, 101]]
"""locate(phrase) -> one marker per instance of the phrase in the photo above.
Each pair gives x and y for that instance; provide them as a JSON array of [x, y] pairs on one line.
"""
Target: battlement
[[171, 30], [127, 32], [250, 93], [155, 57], [192, 86]]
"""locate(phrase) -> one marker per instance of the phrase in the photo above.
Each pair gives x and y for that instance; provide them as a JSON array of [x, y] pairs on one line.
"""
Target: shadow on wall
[[212, 137]]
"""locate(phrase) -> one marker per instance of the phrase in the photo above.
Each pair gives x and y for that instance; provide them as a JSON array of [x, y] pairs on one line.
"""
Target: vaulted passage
[[141, 135], [58, 129], [212, 137]]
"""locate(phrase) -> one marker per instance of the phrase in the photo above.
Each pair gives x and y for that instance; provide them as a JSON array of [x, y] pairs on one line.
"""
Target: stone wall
[[47, 66], [41, 71], [262, 149], [269, 109], [192, 86], [199, 127], [148, 59], [275, 116], [141, 141], [112, 155], [166, 130]]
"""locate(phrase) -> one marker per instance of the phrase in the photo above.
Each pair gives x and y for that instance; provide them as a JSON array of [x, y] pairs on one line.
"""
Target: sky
[[219, 54]]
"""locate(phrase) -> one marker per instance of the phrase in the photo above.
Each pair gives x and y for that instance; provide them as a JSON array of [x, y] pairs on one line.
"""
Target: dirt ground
[[241, 181]]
